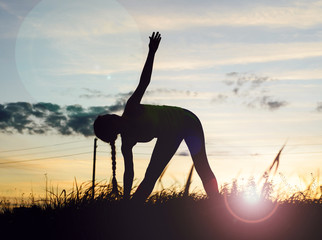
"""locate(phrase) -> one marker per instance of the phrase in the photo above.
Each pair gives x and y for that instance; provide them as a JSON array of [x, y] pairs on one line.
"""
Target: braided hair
[[114, 181], [104, 129]]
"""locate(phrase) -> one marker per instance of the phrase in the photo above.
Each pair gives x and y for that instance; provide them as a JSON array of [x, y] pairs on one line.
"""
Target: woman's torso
[[145, 122]]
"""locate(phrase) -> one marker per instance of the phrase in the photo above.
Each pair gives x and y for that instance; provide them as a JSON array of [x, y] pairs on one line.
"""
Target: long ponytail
[[114, 181]]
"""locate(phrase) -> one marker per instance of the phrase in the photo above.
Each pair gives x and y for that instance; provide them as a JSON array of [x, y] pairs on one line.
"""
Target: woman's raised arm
[[147, 70]]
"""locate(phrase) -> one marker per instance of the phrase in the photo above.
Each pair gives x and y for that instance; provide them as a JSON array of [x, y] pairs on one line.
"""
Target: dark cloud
[[219, 98], [50, 107], [236, 90], [183, 153], [272, 104], [251, 89], [244, 82], [119, 105], [43, 118], [121, 98], [319, 107], [93, 93], [267, 102], [232, 74], [168, 91]]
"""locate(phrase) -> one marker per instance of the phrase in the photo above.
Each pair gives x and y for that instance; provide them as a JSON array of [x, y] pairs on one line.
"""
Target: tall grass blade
[[161, 176], [276, 161], [77, 190], [188, 183]]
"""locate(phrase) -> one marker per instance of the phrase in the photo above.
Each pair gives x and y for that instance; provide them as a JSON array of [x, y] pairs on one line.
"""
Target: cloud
[[300, 74], [78, 39], [184, 54], [8, 9], [220, 98], [319, 107], [241, 79], [212, 14], [44, 118], [183, 153], [85, 19], [251, 89], [121, 98], [244, 83], [93, 93], [171, 92], [270, 104], [266, 102]]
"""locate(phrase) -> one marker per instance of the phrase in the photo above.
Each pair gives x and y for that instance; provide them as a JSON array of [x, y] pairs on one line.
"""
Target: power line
[[145, 146], [43, 146], [75, 154], [287, 145], [36, 153], [246, 146], [46, 158], [138, 153], [302, 153], [228, 155]]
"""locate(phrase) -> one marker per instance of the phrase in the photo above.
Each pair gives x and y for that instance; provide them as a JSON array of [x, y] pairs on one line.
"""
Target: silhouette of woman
[[170, 125]]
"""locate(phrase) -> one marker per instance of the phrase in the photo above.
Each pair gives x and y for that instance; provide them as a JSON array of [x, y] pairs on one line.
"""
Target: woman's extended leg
[[163, 151], [196, 144]]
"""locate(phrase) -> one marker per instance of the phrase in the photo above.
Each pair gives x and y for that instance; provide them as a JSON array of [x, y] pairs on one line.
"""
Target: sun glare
[[251, 197], [250, 209]]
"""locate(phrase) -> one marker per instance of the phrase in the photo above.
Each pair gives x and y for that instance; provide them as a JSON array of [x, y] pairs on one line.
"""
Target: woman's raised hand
[[154, 41]]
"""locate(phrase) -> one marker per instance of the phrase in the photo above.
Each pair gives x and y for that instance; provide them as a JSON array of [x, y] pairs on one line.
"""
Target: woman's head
[[107, 127]]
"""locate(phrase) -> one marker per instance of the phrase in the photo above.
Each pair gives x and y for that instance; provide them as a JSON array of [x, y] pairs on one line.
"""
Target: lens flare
[[251, 198], [255, 205]]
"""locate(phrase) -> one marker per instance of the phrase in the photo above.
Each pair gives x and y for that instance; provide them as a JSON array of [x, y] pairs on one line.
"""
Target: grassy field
[[165, 215]]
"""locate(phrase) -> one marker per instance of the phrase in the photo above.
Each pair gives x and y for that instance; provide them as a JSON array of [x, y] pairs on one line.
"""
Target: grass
[[242, 212], [167, 214]]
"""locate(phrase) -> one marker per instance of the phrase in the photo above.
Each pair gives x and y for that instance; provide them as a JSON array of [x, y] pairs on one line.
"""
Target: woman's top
[[146, 122]]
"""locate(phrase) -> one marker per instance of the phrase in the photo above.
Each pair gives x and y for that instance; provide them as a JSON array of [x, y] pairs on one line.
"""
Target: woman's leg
[[163, 151], [196, 144]]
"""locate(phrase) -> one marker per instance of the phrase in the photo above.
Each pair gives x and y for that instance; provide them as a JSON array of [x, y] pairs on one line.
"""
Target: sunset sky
[[250, 70]]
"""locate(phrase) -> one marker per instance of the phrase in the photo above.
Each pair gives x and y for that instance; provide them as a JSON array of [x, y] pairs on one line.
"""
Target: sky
[[250, 70]]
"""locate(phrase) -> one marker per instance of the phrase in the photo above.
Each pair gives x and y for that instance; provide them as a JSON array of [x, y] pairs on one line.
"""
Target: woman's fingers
[[155, 36]]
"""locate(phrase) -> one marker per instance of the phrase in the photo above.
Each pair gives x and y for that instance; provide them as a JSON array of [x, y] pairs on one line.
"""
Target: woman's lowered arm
[[128, 170]]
